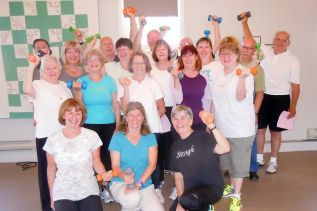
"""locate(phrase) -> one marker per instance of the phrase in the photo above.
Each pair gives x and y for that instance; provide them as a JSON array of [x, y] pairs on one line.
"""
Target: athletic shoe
[[228, 191], [260, 162], [235, 204], [211, 208], [173, 195], [106, 196], [159, 195], [272, 168]]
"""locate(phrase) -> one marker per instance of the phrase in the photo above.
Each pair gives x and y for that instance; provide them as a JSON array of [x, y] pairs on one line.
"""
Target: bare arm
[[217, 36], [161, 106], [28, 88], [125, 99], [245, 26], [257, 102], [152, 157], [179, 184], [138, 36], [295, 95], [241, 89], [133, 26], [51, 174], [116, 109]]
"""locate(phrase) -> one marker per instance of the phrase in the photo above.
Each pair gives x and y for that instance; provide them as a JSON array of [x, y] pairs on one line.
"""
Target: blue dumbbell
[[70, 84], [219, 19], [207, 33]]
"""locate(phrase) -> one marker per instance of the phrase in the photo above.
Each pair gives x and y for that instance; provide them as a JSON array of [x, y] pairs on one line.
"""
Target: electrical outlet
[[312, 133]]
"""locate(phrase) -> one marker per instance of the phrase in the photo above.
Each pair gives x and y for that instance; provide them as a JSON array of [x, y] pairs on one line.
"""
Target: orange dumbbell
[[253, 71], [32, 58], [206, 117], [99, 177], [124, 81], [130, 10]]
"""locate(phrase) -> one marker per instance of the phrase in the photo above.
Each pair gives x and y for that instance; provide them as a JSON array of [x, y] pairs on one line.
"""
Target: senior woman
[[46, 95], [73, 157], [134, 147], [232, 96], [100, 99], [72, 61], [190, 87], [194, 160], [145, 90]]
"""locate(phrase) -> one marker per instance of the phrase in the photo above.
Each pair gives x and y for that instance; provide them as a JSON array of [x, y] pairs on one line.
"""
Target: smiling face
[[73, 118], [72, 56], [281, 42], [107, 47], [204, 50], [162, 52], [51, 71], [182, 122], [93, 64], [138, 65], [134, 119], [189, 60], [247, 49], [124, 53], [152, 37]]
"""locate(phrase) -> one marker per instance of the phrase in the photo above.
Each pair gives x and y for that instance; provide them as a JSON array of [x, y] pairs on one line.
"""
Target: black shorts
[[271, 108]]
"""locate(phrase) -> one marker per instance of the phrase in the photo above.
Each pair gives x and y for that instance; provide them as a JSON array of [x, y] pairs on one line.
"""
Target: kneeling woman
[[72, 156], [194, 160], [133, 152]]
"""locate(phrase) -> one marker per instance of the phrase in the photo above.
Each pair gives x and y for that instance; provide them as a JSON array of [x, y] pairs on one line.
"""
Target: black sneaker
[[253, 176]]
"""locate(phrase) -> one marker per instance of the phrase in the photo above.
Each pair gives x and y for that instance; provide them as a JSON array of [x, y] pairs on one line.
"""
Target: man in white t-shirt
[[282, 88]]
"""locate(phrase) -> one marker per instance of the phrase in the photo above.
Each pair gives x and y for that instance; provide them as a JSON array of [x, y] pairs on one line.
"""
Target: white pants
[[146, 199]]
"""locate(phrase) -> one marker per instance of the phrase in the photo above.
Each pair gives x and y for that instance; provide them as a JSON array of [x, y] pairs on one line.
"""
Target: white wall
[[297, 17]]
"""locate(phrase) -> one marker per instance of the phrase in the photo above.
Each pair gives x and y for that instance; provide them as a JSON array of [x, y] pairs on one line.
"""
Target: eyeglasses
[[248, 48], [138, 63], [93, 59], [226, 54], [281, 41]]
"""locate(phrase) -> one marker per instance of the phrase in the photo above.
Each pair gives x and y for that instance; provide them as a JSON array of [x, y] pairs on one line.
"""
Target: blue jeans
[[254, 167]]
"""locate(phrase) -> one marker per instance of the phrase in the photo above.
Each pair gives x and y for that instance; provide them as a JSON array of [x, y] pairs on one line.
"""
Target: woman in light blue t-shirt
[[134, 155], [100, 99]]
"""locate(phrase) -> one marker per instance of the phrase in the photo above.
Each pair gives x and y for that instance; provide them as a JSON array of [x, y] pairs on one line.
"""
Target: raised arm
[[245, 26], [138, 37], [217, 36], [28, 88]]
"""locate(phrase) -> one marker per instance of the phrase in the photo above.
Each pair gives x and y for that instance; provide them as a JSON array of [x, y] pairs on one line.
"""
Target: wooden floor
[[293, 188]]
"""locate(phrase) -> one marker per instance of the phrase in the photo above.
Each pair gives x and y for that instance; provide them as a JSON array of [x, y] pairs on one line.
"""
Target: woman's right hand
[[124, 81], [52, 205], [33, 60], [175, 71]]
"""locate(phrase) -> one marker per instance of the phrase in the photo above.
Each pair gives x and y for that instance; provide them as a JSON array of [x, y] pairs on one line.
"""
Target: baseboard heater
[[17, 145]]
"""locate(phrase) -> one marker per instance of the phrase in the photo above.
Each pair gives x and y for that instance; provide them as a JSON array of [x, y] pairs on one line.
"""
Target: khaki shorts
[[237, 161]]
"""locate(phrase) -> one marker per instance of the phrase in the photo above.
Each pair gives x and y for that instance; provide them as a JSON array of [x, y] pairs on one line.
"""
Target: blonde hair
[[230, 44], [95, 52], [71, 45]]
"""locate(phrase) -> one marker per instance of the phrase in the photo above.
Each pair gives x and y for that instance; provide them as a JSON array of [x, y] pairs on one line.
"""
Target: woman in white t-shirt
[[73, 157], [232, 96], [46, 95], [145, 90]]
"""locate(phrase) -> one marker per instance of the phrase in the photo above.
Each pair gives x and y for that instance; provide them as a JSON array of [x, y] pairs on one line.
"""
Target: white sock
[[259, 156], [237, 195], [273, 160]]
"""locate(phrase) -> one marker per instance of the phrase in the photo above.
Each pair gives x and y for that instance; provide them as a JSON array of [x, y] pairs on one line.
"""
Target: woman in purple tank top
[[190, 87]]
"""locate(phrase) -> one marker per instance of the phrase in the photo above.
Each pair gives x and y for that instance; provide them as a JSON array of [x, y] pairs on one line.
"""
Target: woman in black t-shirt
[[194, 160]]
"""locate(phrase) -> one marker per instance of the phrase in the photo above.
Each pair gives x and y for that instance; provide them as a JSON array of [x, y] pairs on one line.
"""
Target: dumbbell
[[258, 49], [90, 38], [248, 14], [252, 71], [40, 54], [218, 20], [206, 117], [124, 81], [206, 33], [127, 10], [100, 177], [70, 84], [164, 28]]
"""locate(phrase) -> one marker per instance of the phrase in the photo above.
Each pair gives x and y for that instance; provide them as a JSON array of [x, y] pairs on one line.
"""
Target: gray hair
[[182, 108]]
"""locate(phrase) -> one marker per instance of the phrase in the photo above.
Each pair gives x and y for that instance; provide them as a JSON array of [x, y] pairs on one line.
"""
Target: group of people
[[110, 111]]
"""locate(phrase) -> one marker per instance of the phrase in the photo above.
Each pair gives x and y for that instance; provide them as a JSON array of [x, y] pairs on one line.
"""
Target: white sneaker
[[272, 168], [260, 162], [159, 195], [173, 195]]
